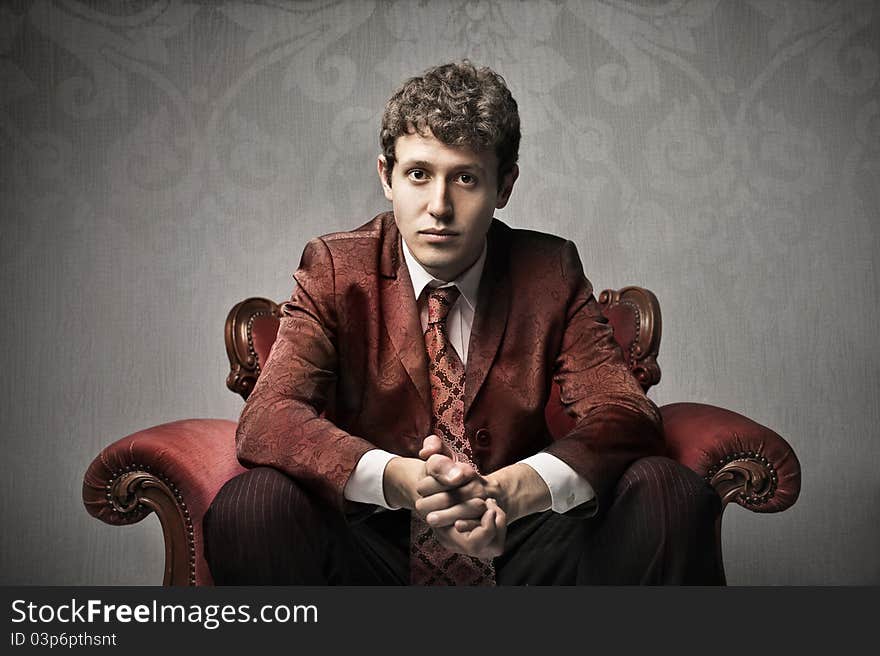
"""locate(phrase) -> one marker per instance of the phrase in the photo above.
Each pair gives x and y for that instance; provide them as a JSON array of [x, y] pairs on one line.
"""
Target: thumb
[[433, 445]]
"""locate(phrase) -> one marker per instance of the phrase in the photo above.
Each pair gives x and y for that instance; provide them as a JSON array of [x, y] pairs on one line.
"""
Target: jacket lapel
[[490, 320], [401, 313]]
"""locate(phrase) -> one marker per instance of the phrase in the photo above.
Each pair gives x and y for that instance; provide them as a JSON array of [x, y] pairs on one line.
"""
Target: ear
[[506, 187], [384, 174]]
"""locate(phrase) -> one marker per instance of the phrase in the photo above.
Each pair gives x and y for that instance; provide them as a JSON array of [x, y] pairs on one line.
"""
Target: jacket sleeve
[[616, 423], [282, 423]]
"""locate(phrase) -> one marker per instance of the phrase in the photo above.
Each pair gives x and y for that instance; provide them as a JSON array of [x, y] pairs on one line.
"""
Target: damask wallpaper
[[162, 160]]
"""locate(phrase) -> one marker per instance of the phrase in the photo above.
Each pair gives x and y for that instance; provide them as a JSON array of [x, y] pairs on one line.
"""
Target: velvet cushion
[[704, 437], [195, 457], [264, 329]]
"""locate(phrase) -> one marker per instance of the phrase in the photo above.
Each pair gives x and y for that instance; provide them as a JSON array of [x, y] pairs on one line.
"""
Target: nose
[[439, 203]]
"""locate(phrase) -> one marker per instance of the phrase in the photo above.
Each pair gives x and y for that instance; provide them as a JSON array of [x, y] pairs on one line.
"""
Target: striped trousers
[[263, 529]]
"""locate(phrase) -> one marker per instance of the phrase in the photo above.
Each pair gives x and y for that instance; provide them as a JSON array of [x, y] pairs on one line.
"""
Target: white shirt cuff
[[365, 483], [568, 489]]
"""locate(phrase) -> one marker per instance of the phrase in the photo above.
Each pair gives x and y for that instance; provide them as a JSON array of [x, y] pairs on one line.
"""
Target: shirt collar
[[468, 282]]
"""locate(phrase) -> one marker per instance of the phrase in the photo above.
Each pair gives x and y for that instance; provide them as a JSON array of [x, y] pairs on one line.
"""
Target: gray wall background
[[162, 160]]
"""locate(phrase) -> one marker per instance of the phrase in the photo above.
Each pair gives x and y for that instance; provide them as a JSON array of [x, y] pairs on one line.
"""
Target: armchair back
[[633, 312]]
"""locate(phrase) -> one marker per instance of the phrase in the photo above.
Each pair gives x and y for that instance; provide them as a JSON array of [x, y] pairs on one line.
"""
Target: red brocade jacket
[[348, 371]]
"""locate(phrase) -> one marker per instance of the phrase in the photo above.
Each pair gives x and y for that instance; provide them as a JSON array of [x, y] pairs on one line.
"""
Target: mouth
[[437, 235]]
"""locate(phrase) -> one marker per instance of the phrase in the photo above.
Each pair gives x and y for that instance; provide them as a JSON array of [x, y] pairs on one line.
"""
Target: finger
[[496, 548], [439, 501], [470, 489], [430, 485], [466, 525], [471, 509], [449, 472], [445, 500], [481, 536], [438, 464], [487, 521], [500, 515], [433, 445], [485, 533]]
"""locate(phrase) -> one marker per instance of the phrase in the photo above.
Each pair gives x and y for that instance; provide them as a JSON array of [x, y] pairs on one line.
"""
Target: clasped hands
[[461, 506], [469, 513]]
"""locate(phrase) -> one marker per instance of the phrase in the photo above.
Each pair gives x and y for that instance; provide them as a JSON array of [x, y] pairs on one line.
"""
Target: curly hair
[[460, 105]]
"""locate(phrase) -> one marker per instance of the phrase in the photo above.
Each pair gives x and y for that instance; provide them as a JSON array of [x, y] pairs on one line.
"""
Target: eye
[[417, 175], [467, 179]]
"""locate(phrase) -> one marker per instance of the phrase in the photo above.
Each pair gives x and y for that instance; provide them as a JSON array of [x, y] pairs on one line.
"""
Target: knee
[[663, 483], [252, 501], [665, 518], [258, 528]]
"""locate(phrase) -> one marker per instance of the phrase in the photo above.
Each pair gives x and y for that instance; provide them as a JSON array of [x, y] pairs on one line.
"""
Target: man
[[397, 431]]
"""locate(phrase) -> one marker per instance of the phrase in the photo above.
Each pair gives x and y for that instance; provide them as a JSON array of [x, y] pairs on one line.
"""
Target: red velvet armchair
[[176, 469]]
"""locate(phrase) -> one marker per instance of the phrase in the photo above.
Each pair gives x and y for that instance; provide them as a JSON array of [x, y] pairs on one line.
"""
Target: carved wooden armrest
[[174, 470], [634, 314], [747, 463], [251, 328]]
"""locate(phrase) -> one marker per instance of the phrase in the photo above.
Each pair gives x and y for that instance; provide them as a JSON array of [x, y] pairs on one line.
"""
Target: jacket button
[[482, 437]]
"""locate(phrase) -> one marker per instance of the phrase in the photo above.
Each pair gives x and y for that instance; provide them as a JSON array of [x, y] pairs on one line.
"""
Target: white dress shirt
[[567, 488]]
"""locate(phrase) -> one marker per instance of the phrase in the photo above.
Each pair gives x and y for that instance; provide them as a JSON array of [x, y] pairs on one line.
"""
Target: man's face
[[443, 199]]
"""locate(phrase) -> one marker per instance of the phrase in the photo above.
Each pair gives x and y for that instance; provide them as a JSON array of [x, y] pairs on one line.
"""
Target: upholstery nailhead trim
[[755, 456], [633, 356], [143, 511], [252, 353]]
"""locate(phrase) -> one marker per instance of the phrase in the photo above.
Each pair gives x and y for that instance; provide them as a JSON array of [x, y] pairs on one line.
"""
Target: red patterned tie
[[430, 563]]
